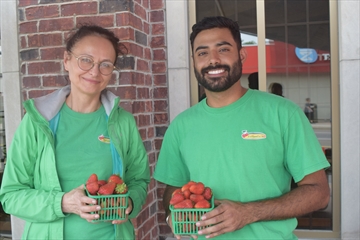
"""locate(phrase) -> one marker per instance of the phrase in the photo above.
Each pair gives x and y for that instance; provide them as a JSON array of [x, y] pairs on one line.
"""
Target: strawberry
[[103, 206], [92, 187], [93, 178], [187, 193], [101, 182], [120, 188], [121, 212], [193, 217], [107, 189], [176, 191], [187, 185], [176, 198], [207, 193], [116, 179], [196, 197], [197, 188], [202, 204], [187, 203]]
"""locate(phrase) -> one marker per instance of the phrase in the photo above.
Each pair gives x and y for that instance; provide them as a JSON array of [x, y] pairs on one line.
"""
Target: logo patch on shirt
[[252, 135], [104, 139]]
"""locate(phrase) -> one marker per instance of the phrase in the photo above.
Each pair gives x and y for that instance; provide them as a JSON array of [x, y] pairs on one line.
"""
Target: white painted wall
[[349, 53], [11, 83]]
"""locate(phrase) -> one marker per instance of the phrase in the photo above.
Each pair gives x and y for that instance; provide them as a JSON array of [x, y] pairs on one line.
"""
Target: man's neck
[[225, 98]]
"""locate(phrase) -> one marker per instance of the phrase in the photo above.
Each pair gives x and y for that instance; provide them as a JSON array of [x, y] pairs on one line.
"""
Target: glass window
[[298, 57], [304, 73]]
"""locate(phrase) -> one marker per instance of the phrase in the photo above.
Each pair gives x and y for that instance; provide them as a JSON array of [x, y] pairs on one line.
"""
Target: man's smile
[[216, 71]]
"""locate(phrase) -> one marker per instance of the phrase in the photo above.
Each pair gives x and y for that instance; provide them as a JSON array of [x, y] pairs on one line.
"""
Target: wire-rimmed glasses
[[86, 63]]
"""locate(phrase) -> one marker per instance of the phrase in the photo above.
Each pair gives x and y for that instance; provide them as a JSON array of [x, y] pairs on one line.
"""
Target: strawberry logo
[[104, 139]]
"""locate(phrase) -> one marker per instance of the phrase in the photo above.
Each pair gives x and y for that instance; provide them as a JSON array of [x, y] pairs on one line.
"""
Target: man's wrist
[[167, 220]]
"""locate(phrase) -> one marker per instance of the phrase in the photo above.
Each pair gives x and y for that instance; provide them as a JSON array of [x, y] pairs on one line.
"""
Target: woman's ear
[[66, 60], [243, 55]]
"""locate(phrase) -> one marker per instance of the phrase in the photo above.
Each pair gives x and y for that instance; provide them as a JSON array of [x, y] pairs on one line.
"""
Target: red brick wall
[[142, 86]]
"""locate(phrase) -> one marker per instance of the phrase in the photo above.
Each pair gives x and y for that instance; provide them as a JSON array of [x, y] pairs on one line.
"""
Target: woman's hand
[[78, 203], [127, 212]]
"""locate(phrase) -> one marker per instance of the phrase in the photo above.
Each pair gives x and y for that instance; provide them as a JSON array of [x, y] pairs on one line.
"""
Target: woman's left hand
[[127, 212]]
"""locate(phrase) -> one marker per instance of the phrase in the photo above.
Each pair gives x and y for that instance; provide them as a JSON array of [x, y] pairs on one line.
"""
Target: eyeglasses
[[86, 63]]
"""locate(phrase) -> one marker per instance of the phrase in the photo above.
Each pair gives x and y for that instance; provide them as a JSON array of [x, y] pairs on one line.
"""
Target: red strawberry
[[187, 203], [187, 193], [196, 197], [176, 191], [120, 188], [121, 212], [207, 193], [187, 185], [116, 179], [193, 217], [101, 182], [178, 197], [93, 178], [107, 189], [197, 188], [103, 206], [202, 204], [92, 187]]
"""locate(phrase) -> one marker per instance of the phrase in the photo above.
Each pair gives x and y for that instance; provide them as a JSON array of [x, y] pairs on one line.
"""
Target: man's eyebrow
[[218, 45], [223, 43], [200, 47]]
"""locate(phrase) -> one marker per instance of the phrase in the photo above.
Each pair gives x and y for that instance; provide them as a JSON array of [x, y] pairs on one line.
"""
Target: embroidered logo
[[104, 139], [252, 135]]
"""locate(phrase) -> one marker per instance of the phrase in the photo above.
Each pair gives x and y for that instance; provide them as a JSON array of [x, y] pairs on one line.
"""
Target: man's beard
[[220, 84]]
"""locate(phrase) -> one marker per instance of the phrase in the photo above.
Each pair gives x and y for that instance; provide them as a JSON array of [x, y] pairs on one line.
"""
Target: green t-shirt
[[80, 151], [246, 151]]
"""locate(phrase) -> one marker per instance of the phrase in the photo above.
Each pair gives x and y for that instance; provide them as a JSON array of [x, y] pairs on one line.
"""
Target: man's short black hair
[[216, 22]]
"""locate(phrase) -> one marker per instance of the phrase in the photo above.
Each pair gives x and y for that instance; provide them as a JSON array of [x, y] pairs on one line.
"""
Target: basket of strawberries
[[187, 205], [111, 194]]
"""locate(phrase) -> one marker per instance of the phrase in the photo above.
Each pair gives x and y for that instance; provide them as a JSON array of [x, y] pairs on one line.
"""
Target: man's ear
[[243, 55]]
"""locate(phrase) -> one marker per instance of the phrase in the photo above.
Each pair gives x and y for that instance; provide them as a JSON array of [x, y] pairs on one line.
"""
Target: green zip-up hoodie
[[30, 187]]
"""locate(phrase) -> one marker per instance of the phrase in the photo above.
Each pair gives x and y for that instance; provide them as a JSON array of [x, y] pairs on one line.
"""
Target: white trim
[[177, 35], [349, 54], [11, 83]]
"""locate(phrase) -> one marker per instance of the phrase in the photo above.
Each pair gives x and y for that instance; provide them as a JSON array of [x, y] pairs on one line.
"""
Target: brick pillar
[[141, 84]]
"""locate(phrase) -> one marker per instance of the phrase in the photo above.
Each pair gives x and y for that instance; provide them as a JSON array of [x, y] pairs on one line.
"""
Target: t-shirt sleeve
[[303, 153], [170, 168]]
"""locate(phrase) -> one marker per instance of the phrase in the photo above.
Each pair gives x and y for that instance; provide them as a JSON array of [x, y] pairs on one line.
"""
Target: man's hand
[[228, 216], [178, 237]]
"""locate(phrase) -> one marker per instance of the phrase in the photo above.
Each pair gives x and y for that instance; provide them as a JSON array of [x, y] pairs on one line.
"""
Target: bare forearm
[[302, 200], [166, 198]]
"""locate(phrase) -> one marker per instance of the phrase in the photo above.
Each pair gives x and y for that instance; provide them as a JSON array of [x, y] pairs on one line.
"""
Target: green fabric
[[31, 188], [79, 153], [246, 151]]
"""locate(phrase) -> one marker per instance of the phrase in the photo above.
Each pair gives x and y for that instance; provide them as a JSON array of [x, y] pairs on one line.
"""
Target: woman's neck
[[83, 104]]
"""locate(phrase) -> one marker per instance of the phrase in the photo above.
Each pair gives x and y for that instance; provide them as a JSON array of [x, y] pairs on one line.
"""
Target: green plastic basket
[[112, 206], [184, 220]]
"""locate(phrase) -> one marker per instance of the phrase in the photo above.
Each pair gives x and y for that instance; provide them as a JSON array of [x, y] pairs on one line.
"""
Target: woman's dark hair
[[216, 22], [94, 30]]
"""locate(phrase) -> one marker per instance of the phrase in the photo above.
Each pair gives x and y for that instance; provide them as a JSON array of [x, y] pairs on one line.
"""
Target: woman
[[66, 136]]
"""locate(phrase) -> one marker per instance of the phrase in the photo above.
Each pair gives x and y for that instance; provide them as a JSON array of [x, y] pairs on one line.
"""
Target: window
[[297, 49]]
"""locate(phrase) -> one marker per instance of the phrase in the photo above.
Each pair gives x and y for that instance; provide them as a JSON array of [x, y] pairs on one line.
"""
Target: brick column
[[141, 84]]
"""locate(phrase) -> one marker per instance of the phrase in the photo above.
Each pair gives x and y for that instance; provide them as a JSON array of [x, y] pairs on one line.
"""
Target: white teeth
[[216, 71]]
